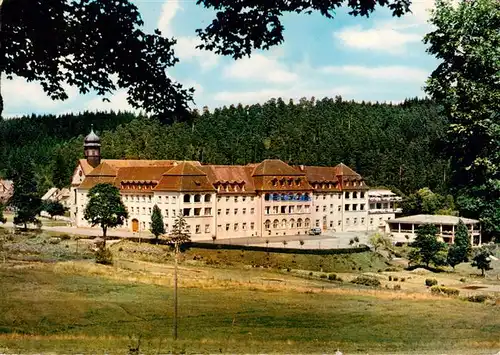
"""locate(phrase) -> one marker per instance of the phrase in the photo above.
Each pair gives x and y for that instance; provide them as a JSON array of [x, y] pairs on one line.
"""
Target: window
[[244, 211], [126, 198], [361, 206], [354, 206], [187, 212], [362, 195], [236, 226], [275, 223], [187, 198], [299, 223], [174, 199], [218, 197], [275, 209], [166, 227], [339, 208], [307, 223], [347, 206], [149, 210], [244, 198], [207, 227], [317, 223], [317, 208], [227, 198], [267, 224], [324, 197], [362, 221], [197, 198], [173, 213], [252, 225], [283, 223], [339, 223], [299, 208], [208, 211], [355, 221], [159, 199], [198, 229], [219, 227], [371, 221], [324, 208], [292, 223], [354, 194], [149, 198], [227, 211], [166, 213], [267, 210], [143, 198], [166, 199], [331, 206], [347, 221], [283, 209], [331, 224], [339, 196], [244, 226], [227, 226], [197, 211], [291, 209], [144, 210], [252, 210], [235, 211], [208, 198], [347, 194], [218, 212]]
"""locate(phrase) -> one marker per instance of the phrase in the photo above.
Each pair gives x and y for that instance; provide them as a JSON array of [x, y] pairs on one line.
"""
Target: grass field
[[226, 306]]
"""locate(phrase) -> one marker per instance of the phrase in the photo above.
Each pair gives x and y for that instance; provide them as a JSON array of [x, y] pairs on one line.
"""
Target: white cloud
[[118, 102], [186, 50], [20, 95], [260, 68], [381, 38], [168, 12], [381, 73]]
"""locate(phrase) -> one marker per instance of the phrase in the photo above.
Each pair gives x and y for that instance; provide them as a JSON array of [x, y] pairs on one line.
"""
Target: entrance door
[[135, 225]]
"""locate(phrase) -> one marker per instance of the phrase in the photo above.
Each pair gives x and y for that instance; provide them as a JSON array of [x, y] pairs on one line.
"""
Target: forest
[[397, 146]]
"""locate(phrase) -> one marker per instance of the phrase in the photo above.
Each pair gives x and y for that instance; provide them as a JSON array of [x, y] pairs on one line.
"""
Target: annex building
[[269, 198]]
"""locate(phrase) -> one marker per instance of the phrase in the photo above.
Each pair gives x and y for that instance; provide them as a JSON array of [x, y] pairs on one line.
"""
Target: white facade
[[382, 207]]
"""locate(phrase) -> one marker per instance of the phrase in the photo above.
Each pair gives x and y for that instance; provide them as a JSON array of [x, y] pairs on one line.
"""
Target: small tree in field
[[427, 247], [178, 236], [2, 218], [105, 207], [482, 260], [54, 208], [460, 250], [157, 226]]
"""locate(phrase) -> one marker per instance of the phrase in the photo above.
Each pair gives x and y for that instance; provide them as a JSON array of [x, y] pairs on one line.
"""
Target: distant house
[[404, 229], [60, 195], [6, 190]]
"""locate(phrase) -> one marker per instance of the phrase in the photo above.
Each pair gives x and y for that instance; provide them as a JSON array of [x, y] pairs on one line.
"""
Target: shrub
[[366, 281], [339, 279], [430, 282], [478, 298], [403, 279], [397, 287], [390, 278], [104, 256], [332, 277], [288, 269], [463, 279], [310, 273], [54, 240], [441, 290], [396, 278], [323, 276]]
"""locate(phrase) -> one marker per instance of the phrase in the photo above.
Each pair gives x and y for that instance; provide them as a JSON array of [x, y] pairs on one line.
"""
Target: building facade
[[270, 198], [383, 206], [404, 229]]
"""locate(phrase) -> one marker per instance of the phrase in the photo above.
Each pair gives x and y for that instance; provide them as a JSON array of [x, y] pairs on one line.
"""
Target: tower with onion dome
[[92, 148]]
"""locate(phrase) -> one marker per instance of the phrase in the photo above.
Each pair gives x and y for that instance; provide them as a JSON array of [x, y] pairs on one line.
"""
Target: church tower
[[92, 148]]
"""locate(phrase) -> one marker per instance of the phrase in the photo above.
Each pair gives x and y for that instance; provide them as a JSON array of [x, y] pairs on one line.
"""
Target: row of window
[[287, 197], [354, 207], [236, 226], [287, 224], [379, 206], [355, 194], [286, 209], [228, 211], [236, 198], [190, 212]]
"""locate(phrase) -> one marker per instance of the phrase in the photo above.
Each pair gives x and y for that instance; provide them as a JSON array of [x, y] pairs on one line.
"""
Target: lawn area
[[88, 308]]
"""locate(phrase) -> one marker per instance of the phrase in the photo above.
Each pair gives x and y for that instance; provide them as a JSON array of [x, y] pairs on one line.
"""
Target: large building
[[263, 199], [383, 206]]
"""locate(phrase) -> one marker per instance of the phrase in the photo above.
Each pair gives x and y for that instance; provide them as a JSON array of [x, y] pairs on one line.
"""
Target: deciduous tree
[[178, 236], [466, 83], [426, 246], [244, 25], [54, 208], [482, 260], [87, 44], [461, 248], [105, 207]]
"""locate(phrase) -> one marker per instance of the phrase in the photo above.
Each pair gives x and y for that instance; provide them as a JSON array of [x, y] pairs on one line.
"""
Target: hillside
[[391, 145]]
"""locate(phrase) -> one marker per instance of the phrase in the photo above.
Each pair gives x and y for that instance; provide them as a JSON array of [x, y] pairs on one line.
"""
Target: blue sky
[[377, 59]]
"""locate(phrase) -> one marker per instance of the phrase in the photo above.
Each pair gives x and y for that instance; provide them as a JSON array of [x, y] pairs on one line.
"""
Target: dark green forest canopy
[[391, 145]]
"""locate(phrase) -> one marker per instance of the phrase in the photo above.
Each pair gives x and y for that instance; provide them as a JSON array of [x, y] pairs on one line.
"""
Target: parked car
[[315, 231]]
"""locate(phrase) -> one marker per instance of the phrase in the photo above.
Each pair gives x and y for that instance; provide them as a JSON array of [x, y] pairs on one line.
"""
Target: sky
[[376, 59]]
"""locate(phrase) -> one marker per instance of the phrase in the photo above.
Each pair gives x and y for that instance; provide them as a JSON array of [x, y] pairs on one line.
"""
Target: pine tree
[[461, 248], [427, 246], [482, 260], [157, 226]]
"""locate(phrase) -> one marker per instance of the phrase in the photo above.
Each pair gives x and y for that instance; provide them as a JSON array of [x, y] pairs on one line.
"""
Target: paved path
[[323, 241]]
